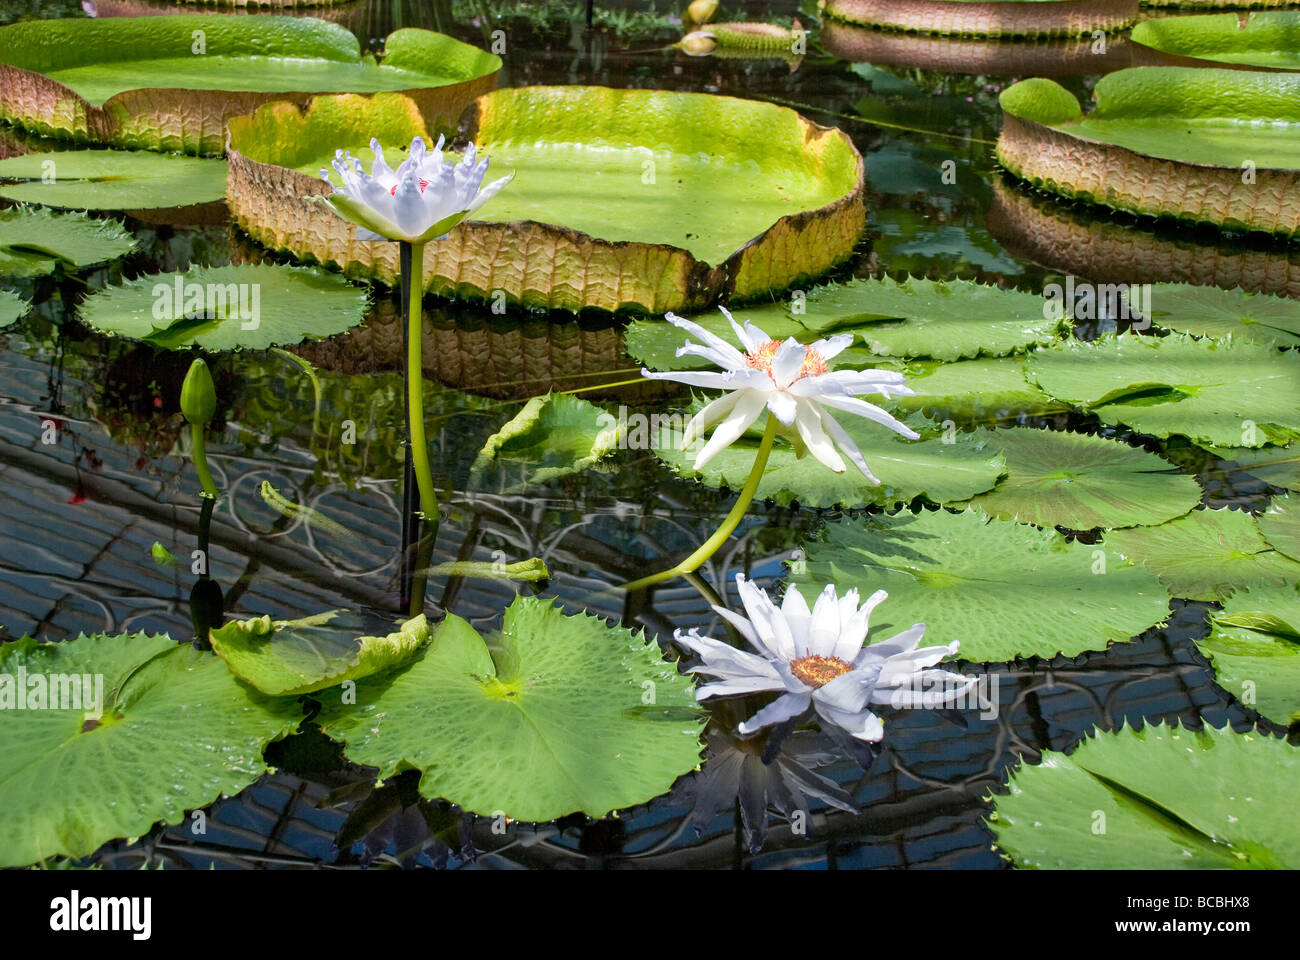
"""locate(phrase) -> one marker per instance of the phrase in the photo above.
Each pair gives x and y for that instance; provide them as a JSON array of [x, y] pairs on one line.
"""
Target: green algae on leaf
[[245, 307], [970, 578], [1207, 555], [539, 722], [290, 657], [1172, 799], [177, 731], [1083, 482]]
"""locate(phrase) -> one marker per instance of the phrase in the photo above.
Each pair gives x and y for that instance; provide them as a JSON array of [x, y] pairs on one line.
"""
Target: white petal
[[709, 415], [692, 378], [854, 626], [819, 445], [783, 406], [746, 341], [900, 643], [778, 711], [797, 616], [711, 339], [863, 726], [871, 412], [847, 445], [787, 362], [749, 405], [769, 624], [831, 347]]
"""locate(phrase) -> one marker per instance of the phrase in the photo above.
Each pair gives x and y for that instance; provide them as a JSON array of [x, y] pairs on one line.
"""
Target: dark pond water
[[79, 516]]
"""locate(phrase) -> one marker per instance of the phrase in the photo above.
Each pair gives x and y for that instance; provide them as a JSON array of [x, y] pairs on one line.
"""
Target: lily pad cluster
[[34, 242]]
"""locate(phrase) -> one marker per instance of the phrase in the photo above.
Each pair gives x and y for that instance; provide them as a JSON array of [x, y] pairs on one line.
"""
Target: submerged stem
[[199, 453], [711, 545]]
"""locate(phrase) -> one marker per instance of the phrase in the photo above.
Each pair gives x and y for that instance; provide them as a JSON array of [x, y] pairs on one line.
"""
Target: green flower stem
[[711, 545], [198, 451], [415, 384]]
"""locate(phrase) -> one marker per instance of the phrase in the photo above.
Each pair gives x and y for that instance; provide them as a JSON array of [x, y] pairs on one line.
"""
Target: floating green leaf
[[1254, 646], [1222, 392], [1207, 555], [177, 731], [1172, 799], [12, 307], [1002, 589], [112, 179], [1280, 525], [552, 436], [1082, 482], [1279, 466], [249, 307], [1215, 312], [940, 469], [534, 724], [989, 388], [289, 657], [34, 241]]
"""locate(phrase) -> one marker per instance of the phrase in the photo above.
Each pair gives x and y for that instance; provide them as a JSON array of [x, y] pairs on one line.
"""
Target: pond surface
[[79, 515]]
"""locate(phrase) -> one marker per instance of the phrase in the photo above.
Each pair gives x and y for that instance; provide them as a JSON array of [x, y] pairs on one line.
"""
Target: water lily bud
[[698, 44], [702, 11], [198, 394]]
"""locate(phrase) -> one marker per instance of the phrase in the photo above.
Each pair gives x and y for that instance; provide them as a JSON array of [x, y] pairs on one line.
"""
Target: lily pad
[[177, 731], [1171, 799], [1082, 482], [642, 199], [12, 307], [967, 577], [1222, 392], [290, 657], [1200, 144], [986, 389], [1280, 524], [1268, 39], [1279, 466], [544, 721], [1214, 312], [112, 179], [35, 242], [988, 18], [939, 469], [1254, 646], [553, 436], [172, 83], [1207, 555], [248, 307]]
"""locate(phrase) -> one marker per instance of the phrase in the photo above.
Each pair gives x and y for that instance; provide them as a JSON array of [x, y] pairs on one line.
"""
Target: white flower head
[[818, 658], [422, 199], [790, 379]]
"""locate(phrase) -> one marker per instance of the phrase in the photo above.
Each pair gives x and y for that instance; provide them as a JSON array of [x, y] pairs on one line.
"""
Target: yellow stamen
[[819, 671], [761, 359]]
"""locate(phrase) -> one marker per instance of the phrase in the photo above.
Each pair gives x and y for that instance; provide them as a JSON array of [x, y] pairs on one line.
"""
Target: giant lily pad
[[622, 198], [1168, 799], [249, 307], [548, 719], [1280, 524], [171, 83], [940, 469], [34, 242], [1255, 649], [1212, 312], [112, 179], [989, 18], [12, 307], [553, 436], [1082, 482], [177, 731], [289, 657], [1206, 145], [1279, 466], [1223, 392], [1207, 555], [967, 577], [986, 389], [1267, 40]]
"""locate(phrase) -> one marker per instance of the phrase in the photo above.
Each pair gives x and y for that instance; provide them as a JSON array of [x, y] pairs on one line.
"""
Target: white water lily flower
[[422, 199], [793, 381], [817, 658]]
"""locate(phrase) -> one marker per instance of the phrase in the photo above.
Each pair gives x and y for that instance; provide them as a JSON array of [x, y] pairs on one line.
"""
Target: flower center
[[819, 671], [423, 183], [761, 359]]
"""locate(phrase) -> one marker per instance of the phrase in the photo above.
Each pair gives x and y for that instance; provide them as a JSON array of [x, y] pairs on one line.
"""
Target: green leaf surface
[[1219, 392], [1266, 39], [180, 732], [1082, 482], [249, 307], [1171, 799], [934, 468], [553, 436], [112, 179], [35, 241], [535, 727], [1207, 555], [290, 657], [1215, 312], [1279, 466], [982, 390], [1254, 646], [1002, 589], [12, 307], [1280, 525]]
